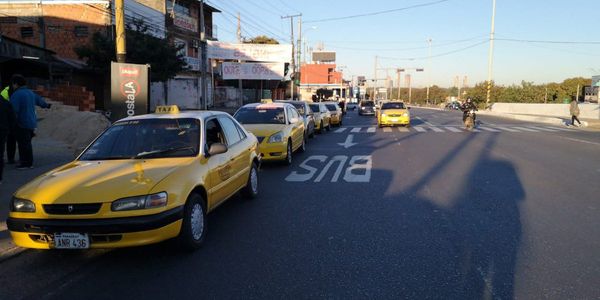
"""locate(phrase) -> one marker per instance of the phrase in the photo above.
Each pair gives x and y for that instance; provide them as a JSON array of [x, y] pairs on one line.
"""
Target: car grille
[[72, 209], [395, 116], [260, 139]]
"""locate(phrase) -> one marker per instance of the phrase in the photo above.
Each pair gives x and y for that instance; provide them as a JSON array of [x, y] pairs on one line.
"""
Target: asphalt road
[[510, 211]]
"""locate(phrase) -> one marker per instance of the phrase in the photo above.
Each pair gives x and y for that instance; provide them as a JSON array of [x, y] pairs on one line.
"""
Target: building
[[320, 79]]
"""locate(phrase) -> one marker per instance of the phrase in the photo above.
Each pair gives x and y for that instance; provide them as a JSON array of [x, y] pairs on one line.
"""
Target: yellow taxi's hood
[[99, 181], [394, 111], [264, 130]]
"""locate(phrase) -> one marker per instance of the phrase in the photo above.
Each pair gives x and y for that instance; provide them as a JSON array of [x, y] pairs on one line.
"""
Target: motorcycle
[[470, 120]]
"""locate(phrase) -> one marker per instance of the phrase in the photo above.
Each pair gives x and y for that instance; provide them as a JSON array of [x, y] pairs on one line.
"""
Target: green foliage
[[142, 48], [262, 39]]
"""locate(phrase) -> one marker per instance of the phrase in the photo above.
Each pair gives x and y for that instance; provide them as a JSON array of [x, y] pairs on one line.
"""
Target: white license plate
[[71, 241], [394, 120]]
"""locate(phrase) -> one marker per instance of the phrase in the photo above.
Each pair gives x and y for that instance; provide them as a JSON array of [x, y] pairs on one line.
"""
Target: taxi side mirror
[[217, 148], [294, 120]]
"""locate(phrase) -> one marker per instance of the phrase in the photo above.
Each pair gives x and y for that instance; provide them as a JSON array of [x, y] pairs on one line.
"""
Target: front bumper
[[103, 233], [273, 151], [366, 112], [335, 120], [389, 121]]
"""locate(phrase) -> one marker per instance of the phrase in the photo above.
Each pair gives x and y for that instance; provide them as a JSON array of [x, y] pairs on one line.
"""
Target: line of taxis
[[155, 177]]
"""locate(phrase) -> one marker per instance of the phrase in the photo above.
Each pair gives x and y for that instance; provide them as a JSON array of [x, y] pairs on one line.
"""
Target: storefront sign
[[185, 22], [193, 63], [253, 71], [129, 90], [249, 52]]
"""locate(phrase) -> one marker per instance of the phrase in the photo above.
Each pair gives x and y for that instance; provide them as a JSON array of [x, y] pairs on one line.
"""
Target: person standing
[[23, 101], [7, 124], [574, 110]]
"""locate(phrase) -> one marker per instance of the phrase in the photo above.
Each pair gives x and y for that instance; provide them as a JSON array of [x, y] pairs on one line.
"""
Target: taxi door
[[220, 165], [297, 127], [239, 153]]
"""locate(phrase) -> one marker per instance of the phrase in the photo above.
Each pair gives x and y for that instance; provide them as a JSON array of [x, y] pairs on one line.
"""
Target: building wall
[[319, 74], [66, 25]]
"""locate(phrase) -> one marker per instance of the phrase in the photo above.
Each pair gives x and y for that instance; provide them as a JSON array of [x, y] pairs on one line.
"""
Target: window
[[8, 20], [231, 132], [260, 115], [180, 9], [214, 133], [81, 31], [26, 32]]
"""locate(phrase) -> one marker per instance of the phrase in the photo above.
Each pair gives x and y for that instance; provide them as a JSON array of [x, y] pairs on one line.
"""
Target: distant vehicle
[[351, 106], [366, 107], [278, 128], [336, 113], [144, 180], [307, 115], [322, 116], [453, 106], [393, 113]]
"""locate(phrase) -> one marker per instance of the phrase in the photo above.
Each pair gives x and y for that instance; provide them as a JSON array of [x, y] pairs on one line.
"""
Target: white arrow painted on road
[[348, 143]]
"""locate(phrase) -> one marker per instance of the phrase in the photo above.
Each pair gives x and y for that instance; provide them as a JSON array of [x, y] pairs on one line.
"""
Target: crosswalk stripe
[[453, 129], [403, 129], [420, 129], [558, 128], [340, 130], [476, 130], [436, 129], [543, 128], [507, 129], [371, 129], [355, 130], [489, 129], [387, 129], [526, 129]]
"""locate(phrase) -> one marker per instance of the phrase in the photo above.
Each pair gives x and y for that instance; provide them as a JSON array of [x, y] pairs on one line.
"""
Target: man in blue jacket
[[23, 101]]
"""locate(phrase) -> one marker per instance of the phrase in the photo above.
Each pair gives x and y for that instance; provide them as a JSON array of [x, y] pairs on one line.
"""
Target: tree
[[164, 58], [262, 39]]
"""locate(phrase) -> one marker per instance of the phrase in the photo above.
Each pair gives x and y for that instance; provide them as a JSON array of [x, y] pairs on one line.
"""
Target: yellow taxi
[[321, 115], [393, 113], [146, 179], [278, 127], [336, 113]]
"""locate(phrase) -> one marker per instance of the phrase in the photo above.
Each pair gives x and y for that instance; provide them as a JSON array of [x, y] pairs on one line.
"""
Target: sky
[[525, 46]]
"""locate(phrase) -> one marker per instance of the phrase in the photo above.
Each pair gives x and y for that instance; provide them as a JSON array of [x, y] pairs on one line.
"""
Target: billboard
[[253, 71], [249, 52], [323, 56], [129, 90]]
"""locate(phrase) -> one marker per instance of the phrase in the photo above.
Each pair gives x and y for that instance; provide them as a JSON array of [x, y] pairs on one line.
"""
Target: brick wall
[[70, 95], [66, 25]]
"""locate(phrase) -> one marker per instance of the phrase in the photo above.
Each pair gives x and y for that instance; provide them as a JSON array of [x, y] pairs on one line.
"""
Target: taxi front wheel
[[250, 191], [193, 228]]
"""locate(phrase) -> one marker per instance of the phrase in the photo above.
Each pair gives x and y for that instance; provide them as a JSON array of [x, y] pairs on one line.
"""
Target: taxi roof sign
[[167, 109]]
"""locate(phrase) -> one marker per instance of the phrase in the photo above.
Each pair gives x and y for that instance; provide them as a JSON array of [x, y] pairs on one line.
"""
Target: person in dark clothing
[[468, 106], [7, 124], [23, 101], [11, 141]]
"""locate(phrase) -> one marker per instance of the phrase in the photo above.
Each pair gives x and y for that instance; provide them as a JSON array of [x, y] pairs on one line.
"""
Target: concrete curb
[[10, 251], [528, 118]]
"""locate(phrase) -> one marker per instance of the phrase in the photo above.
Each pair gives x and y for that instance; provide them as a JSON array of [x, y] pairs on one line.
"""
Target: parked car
[[336, 113], [278, 127], [306, 114], [322, 116], [393, 113], [366, 107], [144, 180]]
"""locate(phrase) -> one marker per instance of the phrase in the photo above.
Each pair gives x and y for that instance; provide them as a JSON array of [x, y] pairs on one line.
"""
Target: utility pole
[[120, 27], [202, 57], [491, 54], [239, 29], [299, 43], [375, 80], [428, 72], [239, 38], [577, 98], [399, 84], [546, 96], [293, 64], [409, 79]]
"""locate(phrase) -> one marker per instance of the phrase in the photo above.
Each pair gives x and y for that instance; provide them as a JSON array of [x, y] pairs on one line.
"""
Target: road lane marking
[[371, 129], [387, 129], [489, 129], [561, 129], [507, 129], [436, 129], [403, 129], [356, 130], [355, 168], [453, 129], [428, 123], [582, 141], [420, 129], [526, 129], [340, 130], [542, 128]]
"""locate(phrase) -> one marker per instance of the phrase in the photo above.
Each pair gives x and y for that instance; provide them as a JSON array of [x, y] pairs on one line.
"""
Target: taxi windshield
[[259, 115], [315, 107], [151, 138], [300, 108], [331, 107], [393, 106]]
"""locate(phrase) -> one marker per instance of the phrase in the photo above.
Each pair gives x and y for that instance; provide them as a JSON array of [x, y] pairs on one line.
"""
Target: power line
[[250, 22], [437, 55], [410, 48], [550, 42], [377, 12]]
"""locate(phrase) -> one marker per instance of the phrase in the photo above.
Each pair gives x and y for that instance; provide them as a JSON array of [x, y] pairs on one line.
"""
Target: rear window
[[253, 115], [315, 107], [393, 106], [331, 107], [300, 108], [367, 103]]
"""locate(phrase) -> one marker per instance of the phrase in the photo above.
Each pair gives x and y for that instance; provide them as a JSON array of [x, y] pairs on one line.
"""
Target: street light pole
[[428, 72], [491, 54]]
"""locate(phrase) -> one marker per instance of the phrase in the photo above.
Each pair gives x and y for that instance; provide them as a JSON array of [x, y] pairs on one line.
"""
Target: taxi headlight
[[140, 202], [383, 115], [22, 205], [405, 114], [276, 138]]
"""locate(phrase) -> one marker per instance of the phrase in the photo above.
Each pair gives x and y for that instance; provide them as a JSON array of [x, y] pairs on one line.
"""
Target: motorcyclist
[[468, 106]]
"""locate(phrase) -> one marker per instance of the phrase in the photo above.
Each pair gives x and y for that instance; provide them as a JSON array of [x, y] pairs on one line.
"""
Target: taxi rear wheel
[[193, 228], [303, 146], [288, 157], [250, 191]]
